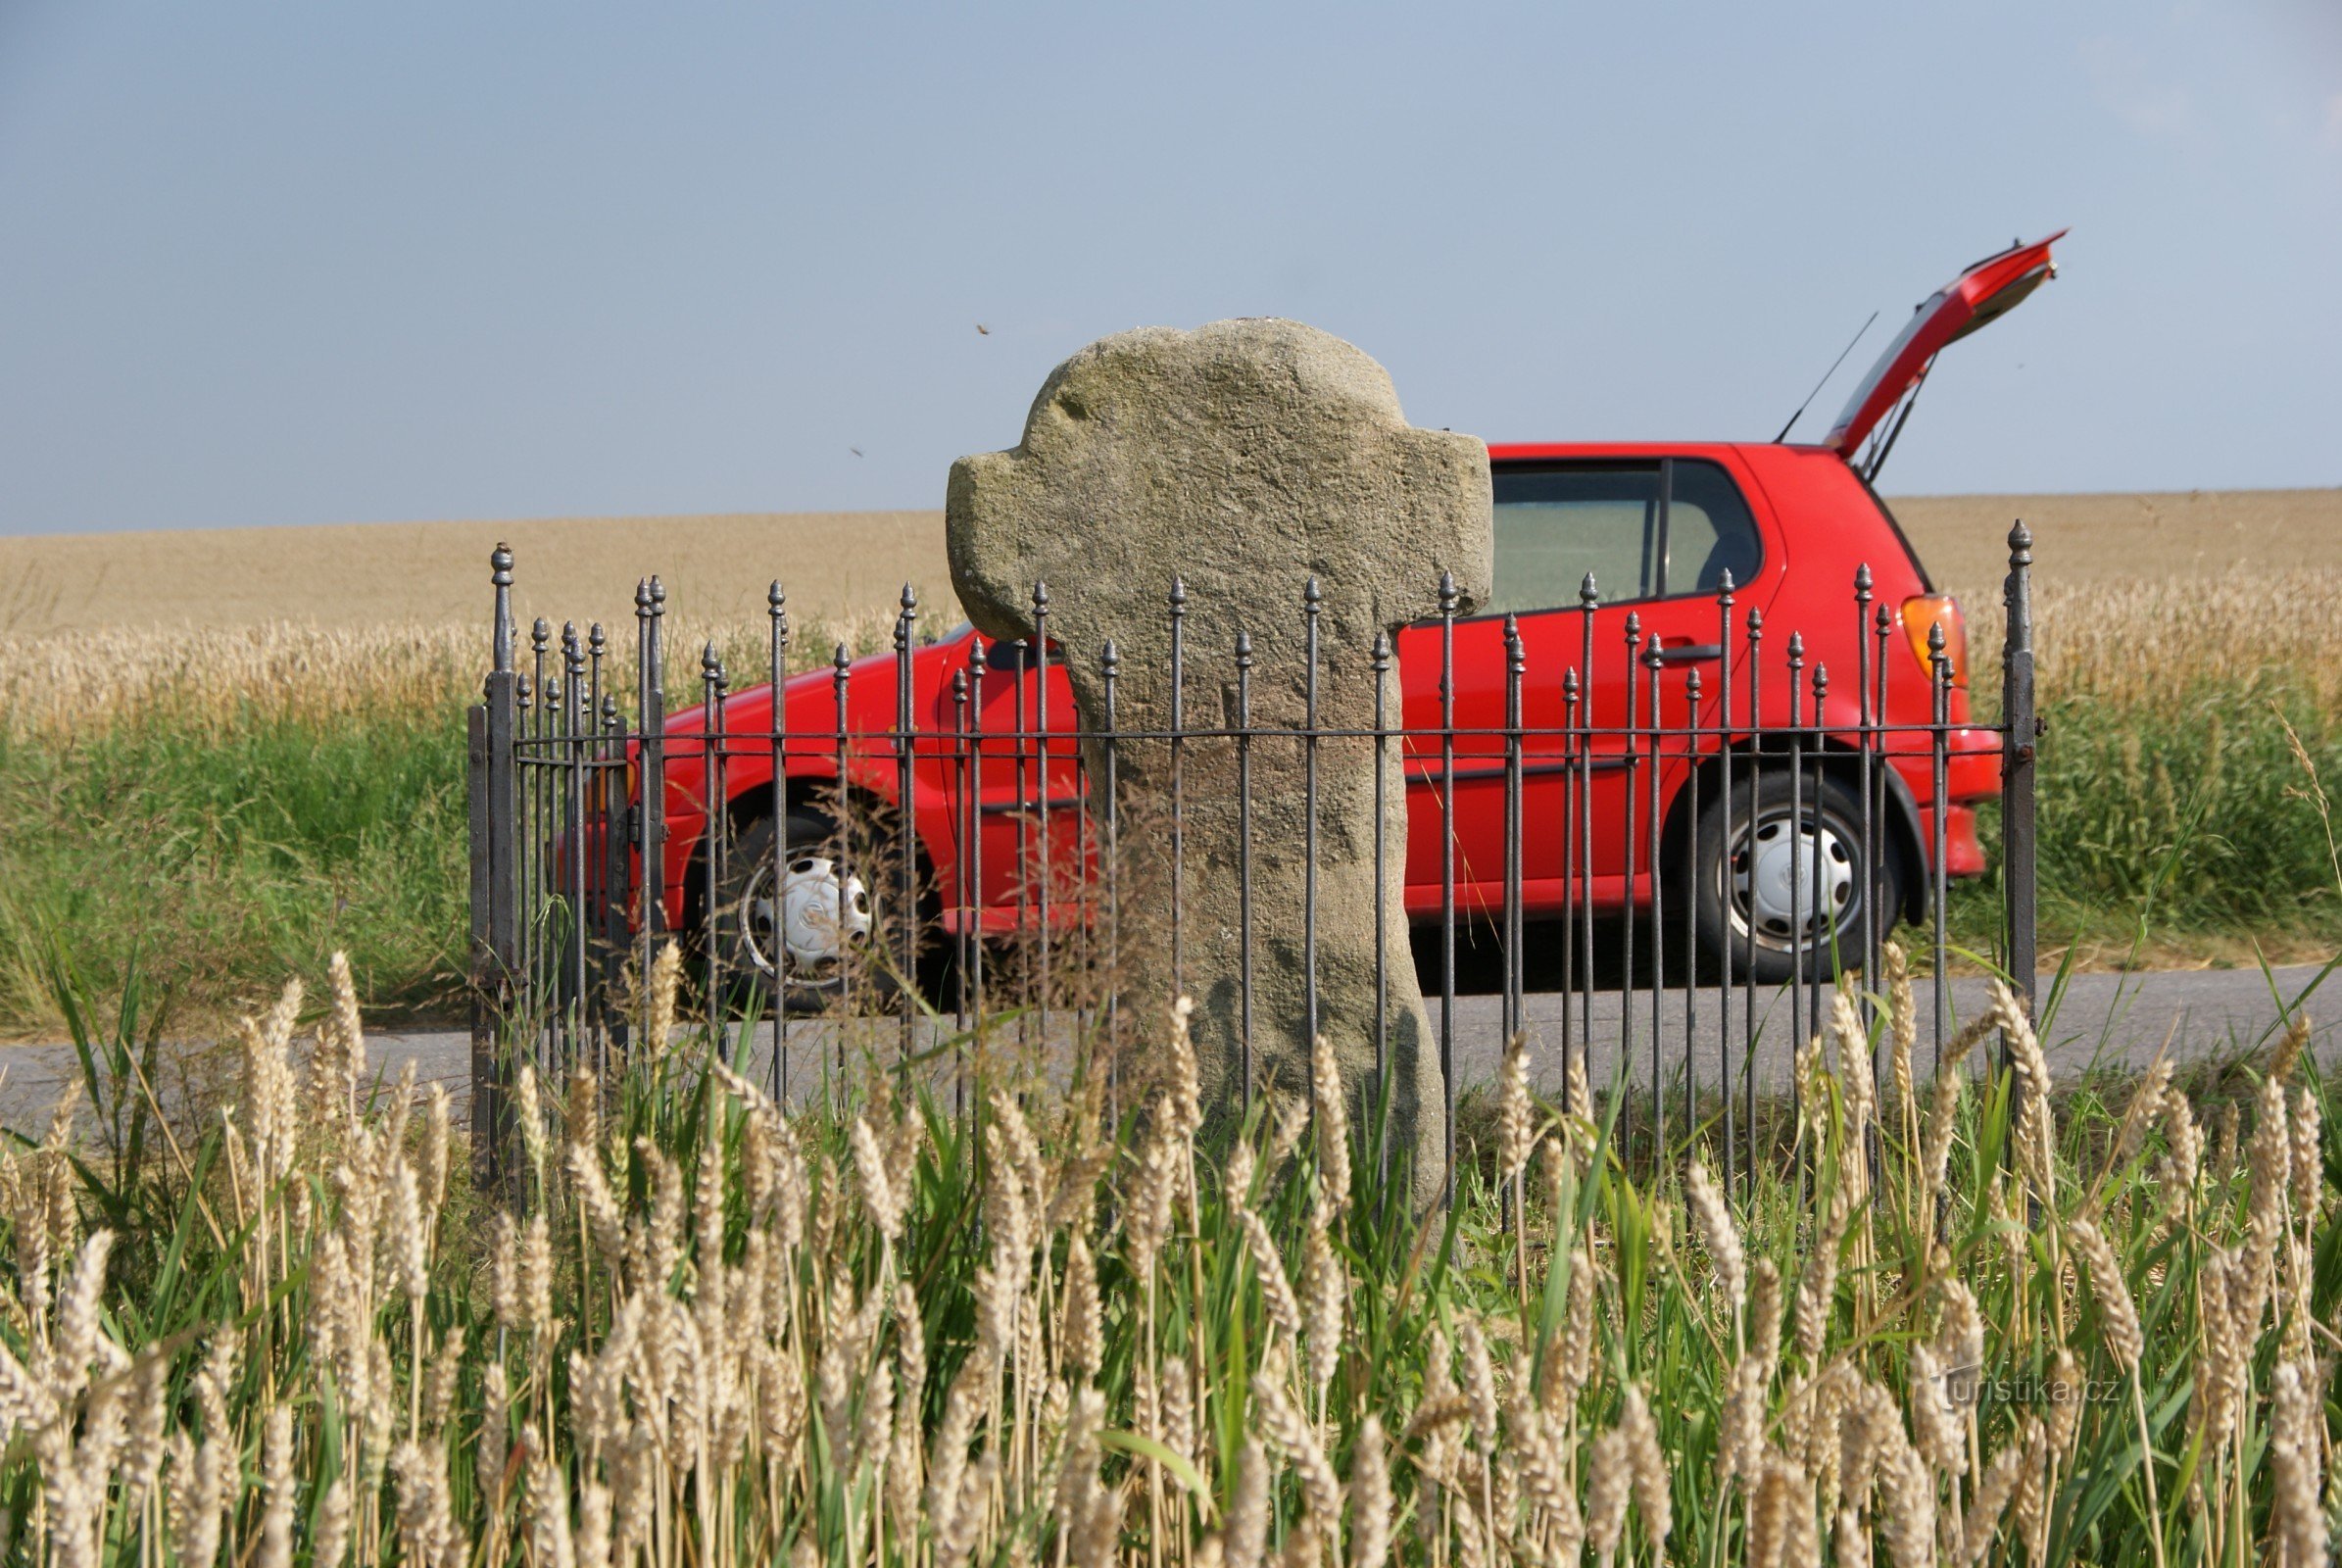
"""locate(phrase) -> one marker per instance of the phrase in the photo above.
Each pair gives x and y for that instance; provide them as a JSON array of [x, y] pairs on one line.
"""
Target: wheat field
[[843, 566], [222, 801]]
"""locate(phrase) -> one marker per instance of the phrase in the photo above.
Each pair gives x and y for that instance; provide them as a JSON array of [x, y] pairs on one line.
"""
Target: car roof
[[1532, 451]]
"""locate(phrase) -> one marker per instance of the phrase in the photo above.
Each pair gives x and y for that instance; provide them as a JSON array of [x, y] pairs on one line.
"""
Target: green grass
[[2187, 826], [226, 856], [230, 850]]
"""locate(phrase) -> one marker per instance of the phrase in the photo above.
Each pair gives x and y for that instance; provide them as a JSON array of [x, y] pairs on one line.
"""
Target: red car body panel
[[1817, 520]]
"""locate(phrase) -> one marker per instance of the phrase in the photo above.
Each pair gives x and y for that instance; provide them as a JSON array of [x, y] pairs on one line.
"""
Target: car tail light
[[1928, 611]]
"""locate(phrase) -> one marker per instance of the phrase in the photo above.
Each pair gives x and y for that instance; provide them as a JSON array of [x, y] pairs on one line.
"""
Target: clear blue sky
[[304, 263]]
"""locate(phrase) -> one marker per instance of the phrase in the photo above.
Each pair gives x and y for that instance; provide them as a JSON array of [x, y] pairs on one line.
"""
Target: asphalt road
[[2110, 1020]]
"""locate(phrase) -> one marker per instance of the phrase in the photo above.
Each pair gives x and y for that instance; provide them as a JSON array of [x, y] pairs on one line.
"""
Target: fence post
[[2019, 731], [495, 890]]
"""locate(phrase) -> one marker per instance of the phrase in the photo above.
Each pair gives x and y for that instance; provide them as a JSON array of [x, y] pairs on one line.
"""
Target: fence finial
[[500, 573], [1589, 595], [1862, 583], [2020, 544], [1725, 585]]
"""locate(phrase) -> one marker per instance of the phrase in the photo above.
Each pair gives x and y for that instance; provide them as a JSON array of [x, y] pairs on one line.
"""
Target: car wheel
[[814, 915], [1750, 912]]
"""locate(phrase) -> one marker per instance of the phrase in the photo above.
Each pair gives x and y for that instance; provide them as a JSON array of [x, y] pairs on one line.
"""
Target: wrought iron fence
[[917, 855]]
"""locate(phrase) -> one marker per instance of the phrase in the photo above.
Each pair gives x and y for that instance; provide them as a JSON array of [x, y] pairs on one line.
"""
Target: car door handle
[[1690, 653]]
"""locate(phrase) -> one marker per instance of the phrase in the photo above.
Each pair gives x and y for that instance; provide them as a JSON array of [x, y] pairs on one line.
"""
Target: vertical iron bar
[[494, 802], [1797, 1020], [1312, 603], [712, 834], [963, 827], [1449, 597], [528, 778], [1516, 663], [2020, 735], [578, 719], [906, 907], [1865, 737], [776, 605], [1574, 897], [616, 938], [1625, 961], [1724, 870], [839, 668], [1747, 847], [977, 902], [1110, 670], [1653, 663], [535, 780], [1691, 695], [1179, 793], [1382, 961], [1040, 665], [1589, 601], [1243, 854], [1940, 673], [1023, 818], [650, 612], [597, 644], [1824, 917]]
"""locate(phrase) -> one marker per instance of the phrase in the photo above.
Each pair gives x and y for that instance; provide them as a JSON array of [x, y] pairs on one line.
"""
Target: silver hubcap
[[1773, 874], [823, 912]]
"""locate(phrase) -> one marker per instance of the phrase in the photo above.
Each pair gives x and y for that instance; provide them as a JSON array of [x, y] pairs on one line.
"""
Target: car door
[[1026, 785], [1655, 534]]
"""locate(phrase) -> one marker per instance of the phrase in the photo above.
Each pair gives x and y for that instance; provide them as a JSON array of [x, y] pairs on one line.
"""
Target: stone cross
[[1245, 460]]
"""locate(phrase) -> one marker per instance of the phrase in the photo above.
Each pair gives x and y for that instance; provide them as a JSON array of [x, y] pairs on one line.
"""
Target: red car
[[1658, 524]]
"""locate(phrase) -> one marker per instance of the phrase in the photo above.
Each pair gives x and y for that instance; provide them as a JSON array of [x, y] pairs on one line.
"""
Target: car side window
[[1554, 525], [1645, 530]]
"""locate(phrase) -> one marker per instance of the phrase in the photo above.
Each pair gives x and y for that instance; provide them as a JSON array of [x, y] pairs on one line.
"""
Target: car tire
[[1788, 939], [827, 911]]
